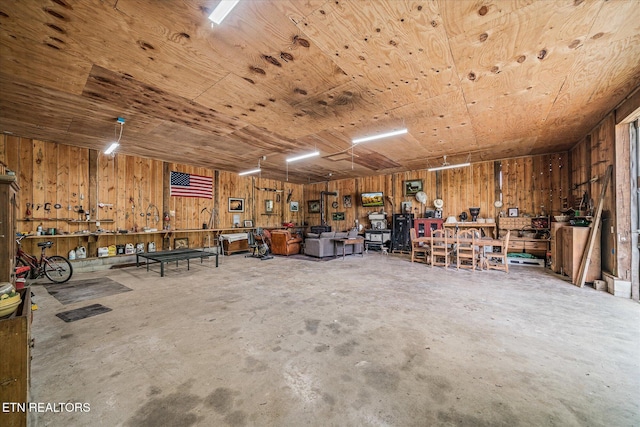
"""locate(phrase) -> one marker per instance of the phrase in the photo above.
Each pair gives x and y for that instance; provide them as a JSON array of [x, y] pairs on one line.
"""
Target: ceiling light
[[111, 148], [222, 10], [304, 156], [250, 172], [114, 145], [380, 136], [446, 165]]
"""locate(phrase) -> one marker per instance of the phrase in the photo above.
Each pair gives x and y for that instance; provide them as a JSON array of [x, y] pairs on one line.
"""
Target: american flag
[[187, 185]]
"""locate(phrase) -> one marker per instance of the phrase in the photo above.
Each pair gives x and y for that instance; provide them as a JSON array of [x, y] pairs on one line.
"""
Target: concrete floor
[[373, 341]]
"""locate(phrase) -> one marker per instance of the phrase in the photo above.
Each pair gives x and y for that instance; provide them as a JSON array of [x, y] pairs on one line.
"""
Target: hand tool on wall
[[28, 211], [47, 208], [289, 195], [57, 206]]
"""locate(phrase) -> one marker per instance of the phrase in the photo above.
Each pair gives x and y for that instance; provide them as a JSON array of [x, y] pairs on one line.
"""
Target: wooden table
[[347, 241], [481, 243], [485, 227]]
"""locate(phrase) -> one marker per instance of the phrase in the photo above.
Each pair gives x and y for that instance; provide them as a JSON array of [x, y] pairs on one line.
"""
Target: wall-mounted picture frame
[[412, 187], [314, 206], [268, 206], [406, 207], [293, 206], [346, 201], [236, 205], [337, 216], [512, 212], [248, 223]]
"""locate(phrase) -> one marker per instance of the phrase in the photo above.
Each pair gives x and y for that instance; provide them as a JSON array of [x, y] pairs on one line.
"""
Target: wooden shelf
[[92, 221]]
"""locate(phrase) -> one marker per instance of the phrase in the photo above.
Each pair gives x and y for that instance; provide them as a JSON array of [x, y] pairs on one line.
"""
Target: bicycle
[[56, 268]]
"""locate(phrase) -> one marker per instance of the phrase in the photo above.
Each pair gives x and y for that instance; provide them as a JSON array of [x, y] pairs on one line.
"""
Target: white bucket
[[81, 252]]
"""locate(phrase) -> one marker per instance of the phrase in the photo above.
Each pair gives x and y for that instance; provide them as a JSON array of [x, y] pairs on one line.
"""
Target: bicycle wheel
[[57, 269], [22, 263]]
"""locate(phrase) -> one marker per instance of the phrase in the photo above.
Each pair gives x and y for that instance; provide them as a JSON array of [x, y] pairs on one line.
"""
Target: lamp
[[303, 156], [116, 144], [258, 169], [222, 10], [446, 165], [379, 136]]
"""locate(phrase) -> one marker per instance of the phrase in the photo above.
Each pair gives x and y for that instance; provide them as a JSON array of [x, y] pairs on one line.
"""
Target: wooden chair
[[441, 242], [498, 260], [418, 247], [466, 249]]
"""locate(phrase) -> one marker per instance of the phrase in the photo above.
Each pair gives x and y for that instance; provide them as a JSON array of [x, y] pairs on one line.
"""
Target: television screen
[[370, 200]]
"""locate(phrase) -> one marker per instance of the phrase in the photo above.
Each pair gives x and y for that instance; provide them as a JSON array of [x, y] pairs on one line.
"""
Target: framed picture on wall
[[314, 206], [412, 187], [293, 206], [346, 201], [236, 205], [513, 212], [248, 223], [337, 216]]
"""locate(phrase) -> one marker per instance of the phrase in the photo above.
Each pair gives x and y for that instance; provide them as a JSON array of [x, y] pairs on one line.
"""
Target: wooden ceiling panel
[[490, 78]]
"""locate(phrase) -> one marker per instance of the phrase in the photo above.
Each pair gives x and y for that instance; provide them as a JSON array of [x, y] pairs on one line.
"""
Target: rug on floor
[[83, 313], [82, 290]]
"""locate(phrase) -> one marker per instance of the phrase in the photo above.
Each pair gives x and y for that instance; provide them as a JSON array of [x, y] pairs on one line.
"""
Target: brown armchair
[[284, 243]]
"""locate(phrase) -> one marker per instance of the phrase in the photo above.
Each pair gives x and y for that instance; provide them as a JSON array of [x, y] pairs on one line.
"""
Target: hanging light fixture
[[116, 144], [222, 10], [446, 165], [258, 169], [303, 156], [379, 136]]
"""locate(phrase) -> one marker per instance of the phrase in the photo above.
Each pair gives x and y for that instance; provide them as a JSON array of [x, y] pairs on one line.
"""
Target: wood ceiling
[[488, 79]]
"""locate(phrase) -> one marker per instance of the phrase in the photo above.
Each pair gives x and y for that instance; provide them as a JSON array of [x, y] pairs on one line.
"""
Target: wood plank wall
[[532, 184], [589, 160], [127, 192]]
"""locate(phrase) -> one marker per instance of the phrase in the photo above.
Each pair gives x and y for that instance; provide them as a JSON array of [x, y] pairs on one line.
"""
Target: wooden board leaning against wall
[[532, 184], [130, 193]]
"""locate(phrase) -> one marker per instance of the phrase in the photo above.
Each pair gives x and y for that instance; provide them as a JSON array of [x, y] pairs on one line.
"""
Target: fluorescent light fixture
[[446, 165], [439, 168], [304, 156], [222, 10], [111, 148], [380, 136], [250, 172]]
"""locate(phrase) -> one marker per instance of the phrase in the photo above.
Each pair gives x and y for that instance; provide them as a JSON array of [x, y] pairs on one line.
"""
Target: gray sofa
[[322, 245]]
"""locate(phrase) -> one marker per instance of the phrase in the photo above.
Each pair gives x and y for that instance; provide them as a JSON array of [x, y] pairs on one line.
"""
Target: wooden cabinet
[[15, 336], [8, 212], [574, 241]]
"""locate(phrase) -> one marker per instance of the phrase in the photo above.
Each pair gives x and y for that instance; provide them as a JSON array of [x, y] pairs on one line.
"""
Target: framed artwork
[[181, 243], [248, 223], [346, 201], [293, 206], [314, 206], [236, 205], [412, 187], [268, 206], [337, 216], [513, 212]]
